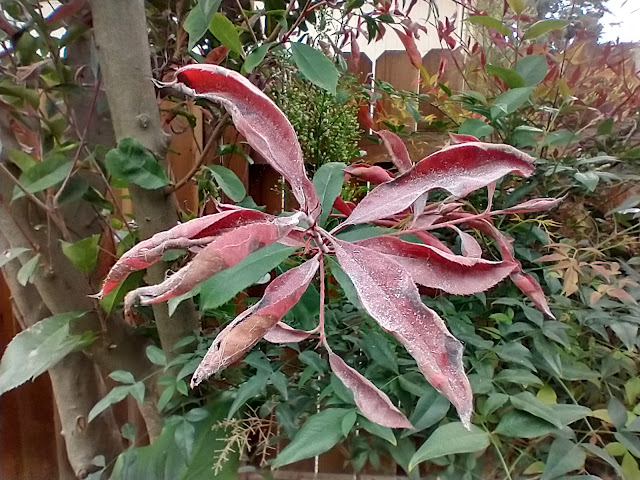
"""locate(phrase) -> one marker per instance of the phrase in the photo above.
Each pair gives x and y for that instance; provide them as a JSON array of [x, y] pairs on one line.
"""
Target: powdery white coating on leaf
[[373, 403], [258, 119], [388, 293], [397, 150], [226, 250], [251, 325], [196, 232], [468, 245], [458, 169], [369, 173], [535, 205], [434, 268], [283, 333], [430, 239], [532, 289]]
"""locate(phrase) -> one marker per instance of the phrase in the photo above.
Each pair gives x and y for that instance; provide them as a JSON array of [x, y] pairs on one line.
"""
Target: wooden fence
[[31, 446]]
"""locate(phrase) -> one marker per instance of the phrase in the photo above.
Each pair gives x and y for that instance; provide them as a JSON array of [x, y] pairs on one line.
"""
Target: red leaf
[[412, 50], [373, 403], [387, 292], [192, 233], [258, 119], [535, 205], [369, 173], [458, 138], [223, 252], [354, 59], [365, 119], [283, 333], [251, 325], [459, 169], [397, 150], [468, 244], [434, 268], [343, 207], [216, 55], [532, 289]]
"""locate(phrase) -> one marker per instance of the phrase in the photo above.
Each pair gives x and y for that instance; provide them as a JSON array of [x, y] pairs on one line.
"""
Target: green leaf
[[527, 402], [348, 421], [255, 58], [27, 271], [83, 253], [450, 439], [564, 457], [115, 296], [43, 175], [122, 376], [511, 77], [38, 348], [10, 254], [328, 182], [517, 6], [518, 424], [515, 353], [588, 179], [475, 127], [543, 27], [249, 389], [319, 434], [21, 159], [74, 190], [522, 377], [225, 285], [279, 381], [493, 403], [429, 410], [570, 413], [315, 66], [184, 437], [630, 441], [605, 127], [617, 412], [560, 137], [378, 430], [603, 454], [345, 283], [132, 162], [228, 181], [510, 101], [117, 394], [490, 22], [224, 30], [197, 22], [532, 69], [311, 358], [156, 355], [378, 348]]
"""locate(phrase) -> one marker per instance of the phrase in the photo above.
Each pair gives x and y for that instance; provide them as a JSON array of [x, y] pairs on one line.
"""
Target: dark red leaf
[[412, 50], [397, 150], [369, 173]]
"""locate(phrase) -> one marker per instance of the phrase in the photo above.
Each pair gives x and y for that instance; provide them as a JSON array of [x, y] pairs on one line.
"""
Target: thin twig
[[29, 195], [215, 136], [246, 20]]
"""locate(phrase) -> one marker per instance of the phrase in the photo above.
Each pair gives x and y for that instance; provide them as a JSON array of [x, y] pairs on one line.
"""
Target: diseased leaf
[[328, 182], [396, 149], [132, 162], [535, 205], [433, 268], [258, 119], [228, 182], [38, 348], [319, 434], [251, 325], [459, 169], [387, 292], [411, 48], [373, 403], [315, 66], [83, 253], [450, 439]]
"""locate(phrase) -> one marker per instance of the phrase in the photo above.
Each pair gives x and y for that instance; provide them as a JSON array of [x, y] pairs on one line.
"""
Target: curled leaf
[[258, 119], [283, 333], [458, 169], [397, 150], [251, 325], [373, 403], [369, 173], [469, 245], [462, 138], [388, 293], [535, 205], [434, 268], [412, 50]]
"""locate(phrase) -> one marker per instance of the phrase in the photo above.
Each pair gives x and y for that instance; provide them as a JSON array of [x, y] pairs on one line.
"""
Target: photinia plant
[[384, 270]]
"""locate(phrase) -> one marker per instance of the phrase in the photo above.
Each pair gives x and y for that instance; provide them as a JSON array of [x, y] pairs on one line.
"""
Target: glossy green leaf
[[348, 421], [385, 433], [315, 66], [564, 457], [133, 163], [450, 439], [511, 77], [255, 58], [226, 32], [328, 182], [321, 432], [429, 410], [543, 27], [83, 253], [228, 181]]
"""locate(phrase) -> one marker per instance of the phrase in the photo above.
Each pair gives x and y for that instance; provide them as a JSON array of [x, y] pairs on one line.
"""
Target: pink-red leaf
[[226, 250], [373, 403], [434, 268], [469, 245], [369, 173], [535, 205], [258, 119], [458, 169], [461, 138], [397, 150], [283, 333], [251, 325], [388, 293], [412, 50], [196, 232]]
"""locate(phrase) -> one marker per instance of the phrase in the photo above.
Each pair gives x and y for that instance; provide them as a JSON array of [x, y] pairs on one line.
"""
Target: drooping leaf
[[397, 150], [315, 66], [83, 253], [450, 439], [258, 119], [459, 169], [283, 333], [42, 175], [328, 182], [535, 205], [132, 162], [369, 173], [38, 348], [224, 30], [228, 182], [411, 48], [373, 403], [543, 27], [249, 389], [321, 432], [387, 292], [250, 326], [434, 268]]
